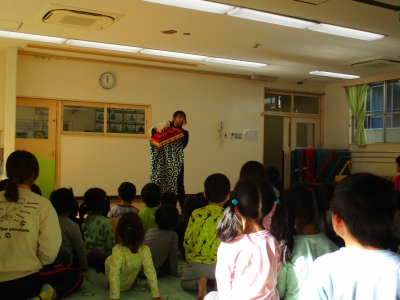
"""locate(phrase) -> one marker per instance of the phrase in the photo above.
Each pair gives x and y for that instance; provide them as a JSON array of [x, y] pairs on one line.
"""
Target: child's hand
[[180, 274]]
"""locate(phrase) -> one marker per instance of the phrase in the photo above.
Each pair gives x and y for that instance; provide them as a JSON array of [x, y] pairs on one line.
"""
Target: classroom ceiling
[[289, 52]]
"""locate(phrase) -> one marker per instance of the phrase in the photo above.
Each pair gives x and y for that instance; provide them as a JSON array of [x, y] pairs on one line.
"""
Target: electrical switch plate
[[232, 135], [225, 135]]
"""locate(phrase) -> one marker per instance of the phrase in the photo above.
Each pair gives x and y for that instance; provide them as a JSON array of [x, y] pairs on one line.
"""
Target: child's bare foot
[[202, 288]]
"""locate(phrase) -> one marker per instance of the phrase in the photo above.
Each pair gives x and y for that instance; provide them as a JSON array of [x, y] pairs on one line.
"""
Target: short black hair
[[272, 175], [95, 200], [63, 200], [169, 198], [217, 187], [252, 168], [366, 203], [192, 203], [179, 113], [166, 217], [398, 160], [127, 191], [151, 194]]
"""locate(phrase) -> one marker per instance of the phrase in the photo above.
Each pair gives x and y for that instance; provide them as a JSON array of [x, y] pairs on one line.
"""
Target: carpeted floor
[[95, 287]]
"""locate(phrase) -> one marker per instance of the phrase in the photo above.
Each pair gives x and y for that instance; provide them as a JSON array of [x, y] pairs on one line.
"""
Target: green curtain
[[357, 96]]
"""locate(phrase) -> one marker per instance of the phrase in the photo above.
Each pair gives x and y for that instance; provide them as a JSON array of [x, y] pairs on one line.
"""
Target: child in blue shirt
[[363, 208]]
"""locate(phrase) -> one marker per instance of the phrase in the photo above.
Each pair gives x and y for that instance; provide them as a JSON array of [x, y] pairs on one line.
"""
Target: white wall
[[106, 162], [2, 104], [336, 132]]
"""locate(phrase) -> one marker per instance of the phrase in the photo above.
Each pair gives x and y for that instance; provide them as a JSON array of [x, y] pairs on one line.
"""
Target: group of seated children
[[253, 244]]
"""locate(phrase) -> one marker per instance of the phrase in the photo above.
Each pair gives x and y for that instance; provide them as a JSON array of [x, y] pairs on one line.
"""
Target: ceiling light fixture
[[103, 46], [31, 37], [174, 54], [265, 17], [235, 62], [212, 7], [335, 75], [347, 32]]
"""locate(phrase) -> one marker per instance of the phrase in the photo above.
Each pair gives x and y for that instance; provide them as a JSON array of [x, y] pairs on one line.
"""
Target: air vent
[[78, 18], [262, 77], [376, 62]]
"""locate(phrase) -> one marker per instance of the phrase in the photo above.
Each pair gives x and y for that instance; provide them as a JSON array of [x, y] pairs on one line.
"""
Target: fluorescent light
[[197, 5], [270, 18], [174, 54], [31, 37], [235, 62], [103, 46], [347, 32], [335, 75]]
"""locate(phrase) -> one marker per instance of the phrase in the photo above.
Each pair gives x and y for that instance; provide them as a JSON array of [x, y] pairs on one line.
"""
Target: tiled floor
[[95, 287]]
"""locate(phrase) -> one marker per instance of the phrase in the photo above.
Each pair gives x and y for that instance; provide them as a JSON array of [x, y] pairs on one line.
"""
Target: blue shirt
[[354, 274]]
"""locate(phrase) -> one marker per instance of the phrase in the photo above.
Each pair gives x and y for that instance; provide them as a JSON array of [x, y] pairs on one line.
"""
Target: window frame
[[383, 115]]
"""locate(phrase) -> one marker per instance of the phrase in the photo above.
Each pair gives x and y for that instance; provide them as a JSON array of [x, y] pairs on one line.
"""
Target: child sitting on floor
[[72, 243], [305, 206], [249, 257], [201, 243], [97, 229], [191, 203], [169, 198], [128, 258], [151, 196], [163, 242], [126, 193], [363, 208]]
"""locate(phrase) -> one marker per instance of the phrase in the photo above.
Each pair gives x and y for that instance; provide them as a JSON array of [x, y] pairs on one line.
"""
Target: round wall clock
[[107, 80]]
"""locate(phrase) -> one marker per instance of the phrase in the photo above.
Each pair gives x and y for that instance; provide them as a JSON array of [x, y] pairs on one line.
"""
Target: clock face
[[107, 80]]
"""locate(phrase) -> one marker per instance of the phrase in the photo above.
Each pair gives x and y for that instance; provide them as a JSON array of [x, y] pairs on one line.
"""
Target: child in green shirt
[[151, 196], [201, 242]]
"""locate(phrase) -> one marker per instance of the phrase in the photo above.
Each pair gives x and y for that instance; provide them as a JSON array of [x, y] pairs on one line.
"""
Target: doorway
[[283, 134], [36, 133]]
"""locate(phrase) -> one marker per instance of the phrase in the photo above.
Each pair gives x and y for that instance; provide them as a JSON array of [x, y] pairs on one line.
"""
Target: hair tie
[[15, 180], [276, 201], [234, 202]]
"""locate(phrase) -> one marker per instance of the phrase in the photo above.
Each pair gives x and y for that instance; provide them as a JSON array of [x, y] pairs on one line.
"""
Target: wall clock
[[107, 80]]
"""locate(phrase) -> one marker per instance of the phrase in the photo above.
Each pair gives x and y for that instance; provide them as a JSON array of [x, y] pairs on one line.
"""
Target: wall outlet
[[225, 135]]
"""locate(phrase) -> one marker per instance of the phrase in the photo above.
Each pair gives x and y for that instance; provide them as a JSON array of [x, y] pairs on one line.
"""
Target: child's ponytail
[[227, 228]]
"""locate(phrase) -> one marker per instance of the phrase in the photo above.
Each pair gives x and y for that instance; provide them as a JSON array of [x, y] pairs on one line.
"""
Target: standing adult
[[178, 120], [30, 238]]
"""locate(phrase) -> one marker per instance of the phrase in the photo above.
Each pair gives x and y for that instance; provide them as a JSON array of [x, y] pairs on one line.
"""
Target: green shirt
[[307, 248], [98, 234], [201, 242], [148, 218]]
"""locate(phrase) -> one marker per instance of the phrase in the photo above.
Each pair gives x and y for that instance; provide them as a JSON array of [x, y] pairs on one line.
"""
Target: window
[[291, 103], [382, 119], [105, 119]]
